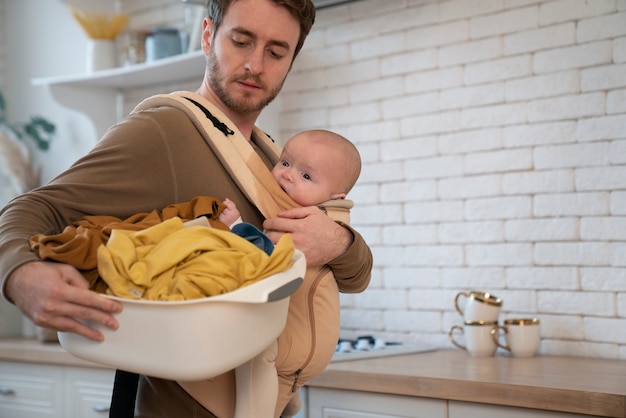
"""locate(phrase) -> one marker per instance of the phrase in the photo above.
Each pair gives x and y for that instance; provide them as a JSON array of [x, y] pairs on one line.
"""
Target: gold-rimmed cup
[[478, 306], [477, 338], [522, 336]]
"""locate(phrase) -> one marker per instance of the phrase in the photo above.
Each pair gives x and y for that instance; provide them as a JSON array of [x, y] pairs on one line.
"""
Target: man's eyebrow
[[246, 32]]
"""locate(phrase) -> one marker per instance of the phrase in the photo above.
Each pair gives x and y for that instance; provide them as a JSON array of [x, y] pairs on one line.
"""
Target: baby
[[316, 168]]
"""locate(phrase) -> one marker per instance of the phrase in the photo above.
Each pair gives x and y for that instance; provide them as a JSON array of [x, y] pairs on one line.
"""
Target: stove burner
[[362, 343], [367, 346]]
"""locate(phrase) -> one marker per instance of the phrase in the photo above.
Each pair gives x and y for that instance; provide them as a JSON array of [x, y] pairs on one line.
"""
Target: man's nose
[[254, 63]]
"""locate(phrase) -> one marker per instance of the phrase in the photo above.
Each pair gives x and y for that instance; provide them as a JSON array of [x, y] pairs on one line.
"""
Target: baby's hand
[[230, 214]]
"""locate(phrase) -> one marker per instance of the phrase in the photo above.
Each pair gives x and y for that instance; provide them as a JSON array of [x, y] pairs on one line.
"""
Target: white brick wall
[[493, 137]]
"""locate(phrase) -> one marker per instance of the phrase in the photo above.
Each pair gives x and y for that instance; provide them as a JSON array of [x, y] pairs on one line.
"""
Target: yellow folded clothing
[[78, 244], [172, 262]]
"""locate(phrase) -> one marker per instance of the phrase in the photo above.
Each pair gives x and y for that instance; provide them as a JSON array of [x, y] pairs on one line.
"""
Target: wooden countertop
[[565, 384], [34, 351]]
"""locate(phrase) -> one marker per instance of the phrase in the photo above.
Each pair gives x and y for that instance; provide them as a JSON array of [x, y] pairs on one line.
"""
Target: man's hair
[[302, 10]]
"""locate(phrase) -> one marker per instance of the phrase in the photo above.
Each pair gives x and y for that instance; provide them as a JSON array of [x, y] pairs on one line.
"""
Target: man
[[157, 157]]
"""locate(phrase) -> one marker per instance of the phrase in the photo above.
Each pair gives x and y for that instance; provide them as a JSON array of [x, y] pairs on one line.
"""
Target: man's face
[[251, 54]]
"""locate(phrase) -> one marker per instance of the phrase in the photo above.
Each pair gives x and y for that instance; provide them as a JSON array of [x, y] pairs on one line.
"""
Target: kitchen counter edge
[[579, 385], [30, 350]]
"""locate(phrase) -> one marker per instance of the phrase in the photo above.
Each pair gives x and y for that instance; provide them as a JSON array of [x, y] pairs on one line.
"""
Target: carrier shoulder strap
[[233, 150]]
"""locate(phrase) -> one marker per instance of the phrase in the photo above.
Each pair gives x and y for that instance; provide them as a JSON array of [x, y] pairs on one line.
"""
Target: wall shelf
[[175, 68], [96, 94]]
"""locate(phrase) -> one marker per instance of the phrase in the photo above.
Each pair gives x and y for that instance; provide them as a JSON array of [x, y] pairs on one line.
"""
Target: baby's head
[[316, 166]]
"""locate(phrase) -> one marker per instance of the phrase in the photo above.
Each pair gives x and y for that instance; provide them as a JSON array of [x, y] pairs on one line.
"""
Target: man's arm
[[342, 248], [111, 179], [353, 268]]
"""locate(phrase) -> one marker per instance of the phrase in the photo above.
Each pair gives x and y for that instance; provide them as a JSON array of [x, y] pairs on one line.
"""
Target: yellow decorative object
[[99, 25]]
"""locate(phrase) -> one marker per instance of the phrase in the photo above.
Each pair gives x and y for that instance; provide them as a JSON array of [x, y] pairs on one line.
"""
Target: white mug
[[479, 306], [522, 336], [477, 337]]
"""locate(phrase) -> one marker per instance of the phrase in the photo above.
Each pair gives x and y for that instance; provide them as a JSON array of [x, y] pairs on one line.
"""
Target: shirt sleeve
[[353, 268], [115, 178]]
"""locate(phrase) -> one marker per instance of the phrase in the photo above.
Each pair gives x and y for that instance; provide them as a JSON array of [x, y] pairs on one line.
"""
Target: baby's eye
[[285, 164], [306, 176]]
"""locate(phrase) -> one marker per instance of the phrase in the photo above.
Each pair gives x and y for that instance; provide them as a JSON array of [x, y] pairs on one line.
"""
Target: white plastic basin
[[195, 339]]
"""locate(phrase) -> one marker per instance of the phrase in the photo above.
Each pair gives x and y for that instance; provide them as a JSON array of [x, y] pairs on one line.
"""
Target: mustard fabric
[[172, 262], [78, 244]]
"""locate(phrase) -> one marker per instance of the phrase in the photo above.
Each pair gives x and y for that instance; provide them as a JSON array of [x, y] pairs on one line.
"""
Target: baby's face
[[309, 172]]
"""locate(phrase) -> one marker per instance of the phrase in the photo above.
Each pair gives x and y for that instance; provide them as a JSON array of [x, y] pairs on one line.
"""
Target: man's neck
[[244, 125]]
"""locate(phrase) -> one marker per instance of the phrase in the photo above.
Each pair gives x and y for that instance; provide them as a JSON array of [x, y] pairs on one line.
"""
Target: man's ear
[[338, 196], [207, 33]]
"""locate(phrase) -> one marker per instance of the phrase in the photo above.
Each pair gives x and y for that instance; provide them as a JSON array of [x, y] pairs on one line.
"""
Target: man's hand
[[313, 232], [54, 295]]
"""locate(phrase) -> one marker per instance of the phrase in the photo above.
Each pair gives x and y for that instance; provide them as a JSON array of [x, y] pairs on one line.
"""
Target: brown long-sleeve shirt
[[152, 159], [148, 161]]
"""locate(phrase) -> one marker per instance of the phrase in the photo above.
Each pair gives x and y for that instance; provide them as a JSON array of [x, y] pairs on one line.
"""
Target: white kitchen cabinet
[[30, 390], [336, 403], [477, 410], [88, 392], [333, 403]]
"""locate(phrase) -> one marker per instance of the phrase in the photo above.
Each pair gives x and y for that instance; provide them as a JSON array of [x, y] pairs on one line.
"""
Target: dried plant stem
[[16, 165], [99, 25]]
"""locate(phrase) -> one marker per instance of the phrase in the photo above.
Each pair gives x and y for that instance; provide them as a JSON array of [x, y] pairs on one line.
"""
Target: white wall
[[36, 47], [3, 47], [494, 139]]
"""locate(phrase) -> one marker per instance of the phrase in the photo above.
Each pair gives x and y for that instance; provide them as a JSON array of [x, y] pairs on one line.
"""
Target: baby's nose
[[288, 175]]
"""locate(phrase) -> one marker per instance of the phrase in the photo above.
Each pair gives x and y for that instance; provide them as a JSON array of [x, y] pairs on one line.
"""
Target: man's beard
[[218, 84]]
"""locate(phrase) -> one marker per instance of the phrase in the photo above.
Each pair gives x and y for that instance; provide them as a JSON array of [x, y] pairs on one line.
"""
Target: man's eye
[[239, 43], [275, 54]]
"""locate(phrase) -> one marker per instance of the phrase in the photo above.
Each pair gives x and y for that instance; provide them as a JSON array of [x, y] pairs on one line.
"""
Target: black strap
[[216, 122], [124, 395]]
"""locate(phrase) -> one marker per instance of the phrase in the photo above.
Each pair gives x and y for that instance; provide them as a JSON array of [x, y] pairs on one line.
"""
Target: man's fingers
[[75, 326], [90, 306], [274, 236]]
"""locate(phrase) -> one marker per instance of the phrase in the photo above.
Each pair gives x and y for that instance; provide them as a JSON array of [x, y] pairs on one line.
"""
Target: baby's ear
[[338, 196]]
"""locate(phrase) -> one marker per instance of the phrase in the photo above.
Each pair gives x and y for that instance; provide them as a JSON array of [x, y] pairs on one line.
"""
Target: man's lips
[[250, 84]]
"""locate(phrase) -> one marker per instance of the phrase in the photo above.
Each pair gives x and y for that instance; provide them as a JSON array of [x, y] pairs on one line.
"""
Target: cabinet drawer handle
[[101, 408], [6, 391]]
